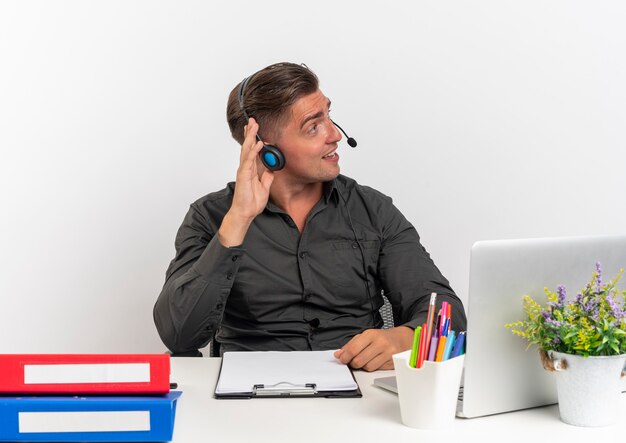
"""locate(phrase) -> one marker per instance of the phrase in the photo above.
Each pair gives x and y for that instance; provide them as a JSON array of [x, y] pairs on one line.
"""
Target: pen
[[440, 348], [459, 347], [415, 349], [444, 317], [422, 347], [446, 327], [432, 350], [449, 344]]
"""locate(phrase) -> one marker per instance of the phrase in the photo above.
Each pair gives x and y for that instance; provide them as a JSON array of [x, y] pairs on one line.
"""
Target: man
[[296, 258]]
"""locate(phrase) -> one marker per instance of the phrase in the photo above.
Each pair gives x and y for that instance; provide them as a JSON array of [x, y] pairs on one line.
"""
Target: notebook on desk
[[500, 374]]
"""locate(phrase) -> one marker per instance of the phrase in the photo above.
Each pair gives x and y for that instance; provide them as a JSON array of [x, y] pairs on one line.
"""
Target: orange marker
[[440, 348]]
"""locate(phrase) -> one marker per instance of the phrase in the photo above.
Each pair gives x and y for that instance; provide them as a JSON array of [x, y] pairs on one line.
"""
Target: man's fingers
[[267, 178], [381, 361], [350, 349], [365, 358], [251, 146], [372, 349], [354, 348]]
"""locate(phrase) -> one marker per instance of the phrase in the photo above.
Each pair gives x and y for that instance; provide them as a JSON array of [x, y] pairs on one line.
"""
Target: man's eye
[[313, 129]]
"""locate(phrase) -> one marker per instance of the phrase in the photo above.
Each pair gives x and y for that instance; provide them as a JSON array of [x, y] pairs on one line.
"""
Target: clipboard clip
[[284, 388]]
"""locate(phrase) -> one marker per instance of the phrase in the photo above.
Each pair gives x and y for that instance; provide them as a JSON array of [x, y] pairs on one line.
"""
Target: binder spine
[[85, 374], [93, 419]]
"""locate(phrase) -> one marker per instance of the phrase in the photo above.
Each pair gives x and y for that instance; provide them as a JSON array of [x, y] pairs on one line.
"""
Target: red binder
[[84, 373]]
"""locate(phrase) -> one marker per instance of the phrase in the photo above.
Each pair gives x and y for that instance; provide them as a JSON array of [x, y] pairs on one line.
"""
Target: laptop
[[500, 373]]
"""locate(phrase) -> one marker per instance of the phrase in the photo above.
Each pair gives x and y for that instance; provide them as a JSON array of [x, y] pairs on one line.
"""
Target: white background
[[483, 119]]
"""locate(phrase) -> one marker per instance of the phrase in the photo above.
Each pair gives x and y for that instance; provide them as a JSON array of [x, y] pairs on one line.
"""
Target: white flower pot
[[588, 388]]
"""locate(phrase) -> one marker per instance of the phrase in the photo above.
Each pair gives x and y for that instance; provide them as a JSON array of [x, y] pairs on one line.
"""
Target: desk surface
[[373, 418]]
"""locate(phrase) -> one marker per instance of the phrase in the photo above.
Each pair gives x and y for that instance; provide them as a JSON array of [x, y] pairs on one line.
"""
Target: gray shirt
[[285, 290]]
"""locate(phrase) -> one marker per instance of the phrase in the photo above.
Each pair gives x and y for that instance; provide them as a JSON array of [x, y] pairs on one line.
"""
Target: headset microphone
[[350, 140]]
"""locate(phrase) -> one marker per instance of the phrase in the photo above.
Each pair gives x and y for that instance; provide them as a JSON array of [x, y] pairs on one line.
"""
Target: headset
[[271, 156]]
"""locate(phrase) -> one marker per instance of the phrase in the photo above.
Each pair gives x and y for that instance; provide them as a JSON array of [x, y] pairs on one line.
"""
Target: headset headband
[[242, 88]]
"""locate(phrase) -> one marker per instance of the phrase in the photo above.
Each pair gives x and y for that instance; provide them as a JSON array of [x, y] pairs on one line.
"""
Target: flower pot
[[588, 388]]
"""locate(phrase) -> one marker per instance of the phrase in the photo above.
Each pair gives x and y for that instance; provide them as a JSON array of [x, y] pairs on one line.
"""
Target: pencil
[[429, 320]]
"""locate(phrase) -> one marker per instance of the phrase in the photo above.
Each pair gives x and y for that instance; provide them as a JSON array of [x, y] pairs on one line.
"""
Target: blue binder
[[88, 418]]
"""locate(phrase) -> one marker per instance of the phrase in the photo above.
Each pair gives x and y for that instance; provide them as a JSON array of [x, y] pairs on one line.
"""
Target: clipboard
[[278, 374]]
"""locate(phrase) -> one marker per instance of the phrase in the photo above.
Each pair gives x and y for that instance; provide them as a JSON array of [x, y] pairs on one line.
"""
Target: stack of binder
[[86, 397]]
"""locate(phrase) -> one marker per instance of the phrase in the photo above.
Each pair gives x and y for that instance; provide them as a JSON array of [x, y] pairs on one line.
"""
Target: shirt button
[[219, 306], [302, 254], [235, 257], [229, 276], [355, 245]]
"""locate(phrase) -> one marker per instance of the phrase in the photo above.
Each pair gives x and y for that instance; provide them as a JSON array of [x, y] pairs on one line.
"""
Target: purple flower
[[561, 294], [579, 298], [598, 276], [591, 306], [615, 309], [547, 318]]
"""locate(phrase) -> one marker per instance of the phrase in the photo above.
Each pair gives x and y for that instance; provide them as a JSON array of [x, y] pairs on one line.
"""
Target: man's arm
[[199, 279], [408, 276], [198, 282]]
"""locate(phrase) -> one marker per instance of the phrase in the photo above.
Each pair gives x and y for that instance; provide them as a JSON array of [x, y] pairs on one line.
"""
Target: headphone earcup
[[272, 158]]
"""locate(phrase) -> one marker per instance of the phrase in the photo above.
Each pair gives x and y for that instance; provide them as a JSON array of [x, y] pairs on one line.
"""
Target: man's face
[[309, 141]]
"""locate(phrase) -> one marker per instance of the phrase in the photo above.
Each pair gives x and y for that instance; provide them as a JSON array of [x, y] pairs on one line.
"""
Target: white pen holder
[[428, 395]]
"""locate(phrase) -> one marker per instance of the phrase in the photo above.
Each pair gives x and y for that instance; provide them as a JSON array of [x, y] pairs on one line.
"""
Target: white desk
[[373, 418]]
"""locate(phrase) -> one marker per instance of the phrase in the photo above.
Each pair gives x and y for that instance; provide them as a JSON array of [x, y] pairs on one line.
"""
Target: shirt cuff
[[413, 323], [219, 264]]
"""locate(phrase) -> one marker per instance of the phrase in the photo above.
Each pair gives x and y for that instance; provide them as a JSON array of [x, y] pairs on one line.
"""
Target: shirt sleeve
[[198, 282], [408, 274]]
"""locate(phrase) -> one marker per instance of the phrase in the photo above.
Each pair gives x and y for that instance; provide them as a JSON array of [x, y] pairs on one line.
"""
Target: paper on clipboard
[[242, 371]]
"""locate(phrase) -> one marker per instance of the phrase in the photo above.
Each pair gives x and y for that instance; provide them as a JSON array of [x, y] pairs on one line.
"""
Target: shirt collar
[[329, 189]]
